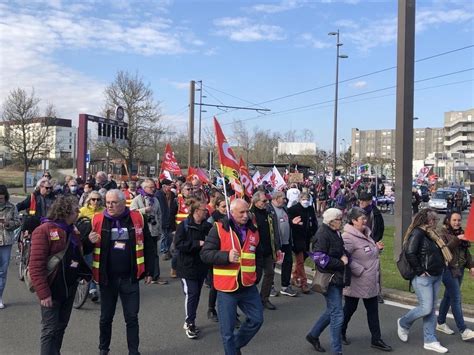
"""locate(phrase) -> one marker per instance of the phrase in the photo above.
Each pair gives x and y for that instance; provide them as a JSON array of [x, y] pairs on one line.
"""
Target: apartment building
[[459, 132], [381, 143], [60, 141]]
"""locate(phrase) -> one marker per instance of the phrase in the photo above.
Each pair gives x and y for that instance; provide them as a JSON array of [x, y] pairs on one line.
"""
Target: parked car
[[438, 200]]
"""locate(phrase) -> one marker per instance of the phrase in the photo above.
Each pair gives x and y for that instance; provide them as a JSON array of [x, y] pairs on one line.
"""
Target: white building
[[60, 142]]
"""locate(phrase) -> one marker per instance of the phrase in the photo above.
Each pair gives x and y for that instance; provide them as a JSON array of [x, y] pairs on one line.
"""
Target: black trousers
[[268, 275], [372, 308], [54, 321], [130, 297], [212, 291], [192, 294], [287, 265], [156, 273]]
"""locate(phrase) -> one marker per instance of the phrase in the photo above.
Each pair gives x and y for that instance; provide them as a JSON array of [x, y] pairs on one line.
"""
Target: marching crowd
[[117, 235]]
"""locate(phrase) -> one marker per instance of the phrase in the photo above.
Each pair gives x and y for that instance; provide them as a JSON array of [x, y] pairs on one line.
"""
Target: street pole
[[191, 124], [200, 116], [404, 120], [334, 139]]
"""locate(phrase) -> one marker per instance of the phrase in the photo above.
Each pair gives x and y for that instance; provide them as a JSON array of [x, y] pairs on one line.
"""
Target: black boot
[[315, 342], [380, 344]]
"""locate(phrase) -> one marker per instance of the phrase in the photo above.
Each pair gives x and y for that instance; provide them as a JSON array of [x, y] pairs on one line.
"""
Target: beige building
[[380, 143], [459, 132]]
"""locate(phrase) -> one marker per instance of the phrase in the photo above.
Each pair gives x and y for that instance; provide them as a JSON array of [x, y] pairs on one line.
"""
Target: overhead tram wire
[[345, 97], [353, 78]]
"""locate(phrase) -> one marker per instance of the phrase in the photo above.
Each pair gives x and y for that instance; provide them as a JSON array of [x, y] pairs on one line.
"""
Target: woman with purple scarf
[[56, 290]]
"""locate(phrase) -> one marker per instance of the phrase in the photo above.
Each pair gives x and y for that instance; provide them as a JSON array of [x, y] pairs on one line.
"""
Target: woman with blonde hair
[[92, 205]]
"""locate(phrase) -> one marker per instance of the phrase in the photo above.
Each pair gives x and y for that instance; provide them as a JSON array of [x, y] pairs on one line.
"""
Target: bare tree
[[142, 110], [242, 136], [25, 134]]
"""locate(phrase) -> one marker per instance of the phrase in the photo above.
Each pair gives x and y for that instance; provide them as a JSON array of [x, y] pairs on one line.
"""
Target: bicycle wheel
[[24, 251], [81, 294]]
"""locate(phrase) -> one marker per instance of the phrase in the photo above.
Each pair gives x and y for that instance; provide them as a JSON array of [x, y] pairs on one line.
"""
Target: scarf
[[116, 219], [240, 230], [151, 199], [434, 236], [68, 228]]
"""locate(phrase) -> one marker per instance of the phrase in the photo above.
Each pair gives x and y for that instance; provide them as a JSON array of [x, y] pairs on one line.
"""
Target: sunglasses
[[264, 201], [96, 199], [47, 187]]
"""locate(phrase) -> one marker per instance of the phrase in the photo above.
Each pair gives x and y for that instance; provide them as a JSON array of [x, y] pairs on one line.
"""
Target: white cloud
[[308, 40], [180, 85], [369, 34], [31, 36], [359, 84], [284, 5], [242, 29]]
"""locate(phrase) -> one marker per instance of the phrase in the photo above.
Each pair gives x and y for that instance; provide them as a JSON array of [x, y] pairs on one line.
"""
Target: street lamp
[[334, 142]]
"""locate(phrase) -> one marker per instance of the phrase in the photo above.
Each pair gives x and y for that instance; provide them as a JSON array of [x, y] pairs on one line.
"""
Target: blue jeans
[[333, 316], [426, 289], [166, 238], [248, 300], [5, 252], [452, 298]]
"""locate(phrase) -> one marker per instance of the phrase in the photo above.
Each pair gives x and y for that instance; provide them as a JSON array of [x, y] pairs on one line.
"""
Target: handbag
[[51, 265], [321, 281]]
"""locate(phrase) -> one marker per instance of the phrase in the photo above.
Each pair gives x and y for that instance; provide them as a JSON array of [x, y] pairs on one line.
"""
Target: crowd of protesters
[[117, 235]]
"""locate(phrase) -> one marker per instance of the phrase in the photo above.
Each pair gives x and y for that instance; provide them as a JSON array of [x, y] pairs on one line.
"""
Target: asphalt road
[[161, 320]]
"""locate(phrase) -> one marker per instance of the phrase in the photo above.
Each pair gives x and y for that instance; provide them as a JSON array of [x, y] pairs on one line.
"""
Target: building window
[[70, 147]]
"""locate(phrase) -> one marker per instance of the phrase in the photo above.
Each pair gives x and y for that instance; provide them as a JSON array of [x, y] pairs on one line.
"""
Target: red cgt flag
[[229, 165], [469, 231], [245, 178], [170, 163]]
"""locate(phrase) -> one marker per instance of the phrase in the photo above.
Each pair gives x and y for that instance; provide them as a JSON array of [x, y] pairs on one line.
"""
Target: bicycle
[[82, 293], [24, 247]]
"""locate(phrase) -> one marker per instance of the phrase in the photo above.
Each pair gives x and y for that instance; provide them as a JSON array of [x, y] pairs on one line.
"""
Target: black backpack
[[404, 267]]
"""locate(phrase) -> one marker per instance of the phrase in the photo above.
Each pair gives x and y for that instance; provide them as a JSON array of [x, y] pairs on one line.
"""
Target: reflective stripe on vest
[[225, 277], [32, 209], [128, 198], [138, 224], [183, 211]]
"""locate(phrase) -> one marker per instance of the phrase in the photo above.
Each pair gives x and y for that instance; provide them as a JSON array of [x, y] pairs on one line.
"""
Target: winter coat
[[459, 249], [264, 221], [47, 240], [302, 234], [276, 226], [330, 243], [153, 218], [187, 240], [11, 221], [42, 203], [364, 263], [423, 254], [165, 208]]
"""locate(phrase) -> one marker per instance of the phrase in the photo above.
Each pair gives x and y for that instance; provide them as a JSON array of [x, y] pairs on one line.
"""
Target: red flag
[[197, 173], [229, 165], [469, 231], [245, 178], [170, 163]]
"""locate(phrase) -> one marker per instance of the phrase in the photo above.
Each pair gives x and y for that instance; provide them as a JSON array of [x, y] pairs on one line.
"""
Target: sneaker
[[191, 332], [288, 291], [467, 334], [402, 332], [273, 292], [435, 346], [196, 329], [444, 328], [2, 306], [315, 343], [159, 281], [173, 274], [94, 295]]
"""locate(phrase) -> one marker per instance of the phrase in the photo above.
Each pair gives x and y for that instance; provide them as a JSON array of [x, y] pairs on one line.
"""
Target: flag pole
[[227, 204]]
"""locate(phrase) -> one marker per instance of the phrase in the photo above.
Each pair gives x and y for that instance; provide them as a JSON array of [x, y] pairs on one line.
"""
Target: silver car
[[438, 200]]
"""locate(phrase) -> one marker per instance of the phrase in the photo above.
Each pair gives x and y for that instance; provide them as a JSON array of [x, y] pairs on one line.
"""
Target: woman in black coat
[[189, 239], [302, 229]]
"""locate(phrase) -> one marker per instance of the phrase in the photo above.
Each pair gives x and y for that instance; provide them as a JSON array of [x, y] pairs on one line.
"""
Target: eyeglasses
[[338, 219], [264, 201], [114, 203], [96, 199], [47, 187]]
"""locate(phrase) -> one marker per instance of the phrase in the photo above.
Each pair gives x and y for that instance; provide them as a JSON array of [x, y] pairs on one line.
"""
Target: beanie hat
[[331, 214]]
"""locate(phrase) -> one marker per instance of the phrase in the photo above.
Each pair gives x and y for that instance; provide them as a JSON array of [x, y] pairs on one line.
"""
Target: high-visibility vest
[[138, 224], [183, 210], [225, 277], [32, 209]]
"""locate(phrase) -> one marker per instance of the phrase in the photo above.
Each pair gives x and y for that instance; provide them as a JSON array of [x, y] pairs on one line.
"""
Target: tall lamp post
[[334, 142]]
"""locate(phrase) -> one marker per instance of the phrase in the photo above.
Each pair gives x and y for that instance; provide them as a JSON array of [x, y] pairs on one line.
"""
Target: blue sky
[[245, 52]]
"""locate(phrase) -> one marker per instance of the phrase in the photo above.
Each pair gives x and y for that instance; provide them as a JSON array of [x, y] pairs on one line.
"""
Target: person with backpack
[[453, 236], [57, 237], [427, 255], [189, 239]]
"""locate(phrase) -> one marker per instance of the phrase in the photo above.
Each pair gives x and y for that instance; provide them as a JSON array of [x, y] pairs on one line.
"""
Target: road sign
[[88, 157]]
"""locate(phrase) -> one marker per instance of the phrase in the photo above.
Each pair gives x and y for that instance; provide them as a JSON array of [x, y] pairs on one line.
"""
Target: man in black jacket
[[264, 221], [236, 292], [118, 243]]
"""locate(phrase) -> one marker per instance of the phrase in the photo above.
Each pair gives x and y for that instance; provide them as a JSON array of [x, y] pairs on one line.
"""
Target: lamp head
[[332, 33]]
